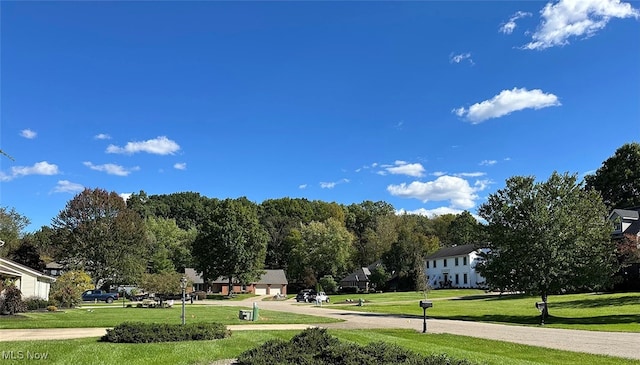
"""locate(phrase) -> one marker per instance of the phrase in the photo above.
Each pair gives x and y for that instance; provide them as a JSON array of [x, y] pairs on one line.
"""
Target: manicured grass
[[109, 317], [598, 312], [88, 351], [405, 296]]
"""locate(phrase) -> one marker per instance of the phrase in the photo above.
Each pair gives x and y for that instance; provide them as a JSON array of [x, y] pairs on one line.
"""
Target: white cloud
[[66, 186], [404, 168], [457, 58], [454, 189], [567, 19], [506, 102], [510, 25], [102, 136], [39, 168], [470, 174], [111, 169], [331, 185], [28, 134], [125, 196], [302, 186], [438, 173], [158, 146], [488, 162], [180, 166]]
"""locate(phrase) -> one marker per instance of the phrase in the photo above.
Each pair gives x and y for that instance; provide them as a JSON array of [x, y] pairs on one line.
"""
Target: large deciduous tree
[[231, 242], [170, 245], [547, 237], [618, 179], [327, 246], [103, 237], [12, 225], [465, 229]]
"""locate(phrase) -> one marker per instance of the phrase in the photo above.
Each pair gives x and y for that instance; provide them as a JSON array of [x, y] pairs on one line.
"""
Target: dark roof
[[273, 277], [361, 274], [453, 251]]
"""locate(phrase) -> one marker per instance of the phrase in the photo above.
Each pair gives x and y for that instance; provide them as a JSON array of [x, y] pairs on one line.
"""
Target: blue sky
[[429, 106]]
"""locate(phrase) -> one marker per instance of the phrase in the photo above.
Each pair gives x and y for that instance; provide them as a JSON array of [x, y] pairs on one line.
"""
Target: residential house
[[360, 278], [54, 269], [272, 282], [32, 283], [454, 267], [626, 222], [626, 226]]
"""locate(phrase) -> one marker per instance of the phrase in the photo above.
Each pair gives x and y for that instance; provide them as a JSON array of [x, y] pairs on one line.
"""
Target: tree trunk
[[545, 309], [230, 291]]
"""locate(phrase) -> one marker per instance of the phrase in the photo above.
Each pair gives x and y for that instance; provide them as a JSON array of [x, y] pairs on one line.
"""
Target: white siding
[[437, 275]]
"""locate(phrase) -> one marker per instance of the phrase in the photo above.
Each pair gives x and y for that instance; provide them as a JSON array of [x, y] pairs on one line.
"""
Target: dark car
[[305, 295]]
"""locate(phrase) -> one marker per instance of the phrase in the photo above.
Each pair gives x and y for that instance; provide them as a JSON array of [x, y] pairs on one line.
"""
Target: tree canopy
[[618, 179], [231, 242], [102, 236], [547, 237]]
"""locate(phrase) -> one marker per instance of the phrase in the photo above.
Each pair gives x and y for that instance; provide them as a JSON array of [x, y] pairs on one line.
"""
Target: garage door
[[274, 291], [261, 291]]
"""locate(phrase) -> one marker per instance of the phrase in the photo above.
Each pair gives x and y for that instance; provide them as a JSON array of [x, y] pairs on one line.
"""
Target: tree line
[[539, 233]]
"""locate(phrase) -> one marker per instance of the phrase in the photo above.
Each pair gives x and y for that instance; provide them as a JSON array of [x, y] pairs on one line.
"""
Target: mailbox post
[[541, 306], [424, 305]]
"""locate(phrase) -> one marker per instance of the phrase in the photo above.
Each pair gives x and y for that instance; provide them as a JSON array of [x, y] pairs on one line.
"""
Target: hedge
[[137, 332], [316, 347]]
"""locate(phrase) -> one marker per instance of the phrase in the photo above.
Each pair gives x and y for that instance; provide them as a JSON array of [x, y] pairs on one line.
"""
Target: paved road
[[603, 343]]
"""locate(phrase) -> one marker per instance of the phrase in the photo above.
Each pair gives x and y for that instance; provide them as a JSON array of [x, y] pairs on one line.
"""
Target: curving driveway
[[603, 343]]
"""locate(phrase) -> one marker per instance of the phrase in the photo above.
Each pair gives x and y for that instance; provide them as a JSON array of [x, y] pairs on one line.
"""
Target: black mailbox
[[540, 306], [425, 304]]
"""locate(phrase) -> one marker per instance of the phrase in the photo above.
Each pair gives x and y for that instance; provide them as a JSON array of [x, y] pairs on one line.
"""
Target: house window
[[434, 264], [445, 262], [617, 224], [464, 260], [464, 278], [456, 261], [457, 279], [427, 264]]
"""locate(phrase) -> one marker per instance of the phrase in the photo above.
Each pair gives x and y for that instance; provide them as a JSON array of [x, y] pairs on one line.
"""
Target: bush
[[52, 308], [315, 346], [329, 284], [12, 302], [35, 303], [136, 332]]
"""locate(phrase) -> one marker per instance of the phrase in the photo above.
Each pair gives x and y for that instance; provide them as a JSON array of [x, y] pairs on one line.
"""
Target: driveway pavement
[[603, 343]]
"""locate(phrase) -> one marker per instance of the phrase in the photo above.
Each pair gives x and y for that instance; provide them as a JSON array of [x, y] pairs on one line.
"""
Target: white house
[[454, 267], [31, 283]]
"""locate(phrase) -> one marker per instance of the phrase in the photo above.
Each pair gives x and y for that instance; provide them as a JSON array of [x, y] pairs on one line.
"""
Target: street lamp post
[[183, 285]]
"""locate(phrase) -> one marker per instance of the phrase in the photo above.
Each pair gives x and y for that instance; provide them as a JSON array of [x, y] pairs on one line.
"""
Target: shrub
[[136, 332], [315, 346], [329, 284], [67, 290], [12, 302], [35, 303], [52, 308]]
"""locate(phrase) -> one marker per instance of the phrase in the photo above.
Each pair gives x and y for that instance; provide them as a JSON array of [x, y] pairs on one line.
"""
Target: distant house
[[360, 278], [54, 269], [626, 222], [454, 267], [272, 282], [32, 283], [626, 228]]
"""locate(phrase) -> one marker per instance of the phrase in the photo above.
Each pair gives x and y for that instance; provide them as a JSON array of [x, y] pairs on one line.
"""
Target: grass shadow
[[597, 302], [533, 320]]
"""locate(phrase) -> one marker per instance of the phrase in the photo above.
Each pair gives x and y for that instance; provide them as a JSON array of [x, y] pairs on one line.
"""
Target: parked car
[[320, 297], [305, 295], [101, 295]]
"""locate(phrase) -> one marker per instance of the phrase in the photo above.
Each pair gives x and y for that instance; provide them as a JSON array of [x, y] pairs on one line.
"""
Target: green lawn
[[109, 317], [405, 296], [88, 351], [598, 312]]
